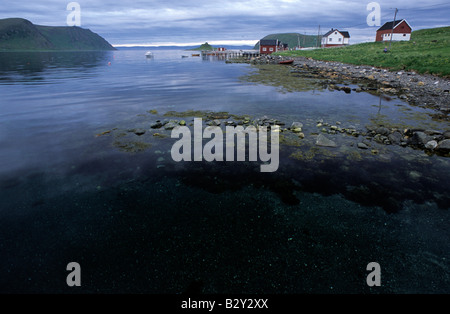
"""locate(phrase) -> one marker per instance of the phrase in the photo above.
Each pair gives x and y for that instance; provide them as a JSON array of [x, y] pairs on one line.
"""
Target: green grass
[[428, 51], [203, 47], [293, 39]]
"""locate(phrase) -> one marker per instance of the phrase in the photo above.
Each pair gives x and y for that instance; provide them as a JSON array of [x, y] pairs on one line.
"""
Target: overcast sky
[[164, 22]]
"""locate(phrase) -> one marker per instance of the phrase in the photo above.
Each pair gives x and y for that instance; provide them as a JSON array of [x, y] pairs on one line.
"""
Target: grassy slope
[[429, 54], [292, 39], [20, 34], [76, 38]]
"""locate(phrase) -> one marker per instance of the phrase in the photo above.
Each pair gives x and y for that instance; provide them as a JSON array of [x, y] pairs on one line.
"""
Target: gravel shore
[[419, 89], [423, 90]]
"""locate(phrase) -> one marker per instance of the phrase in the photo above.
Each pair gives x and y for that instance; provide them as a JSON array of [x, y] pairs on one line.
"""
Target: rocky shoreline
[[422, 90], [426, 91], [369, 138]]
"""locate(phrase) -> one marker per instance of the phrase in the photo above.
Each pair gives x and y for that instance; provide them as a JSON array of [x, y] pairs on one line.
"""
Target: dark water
[[141, 223]]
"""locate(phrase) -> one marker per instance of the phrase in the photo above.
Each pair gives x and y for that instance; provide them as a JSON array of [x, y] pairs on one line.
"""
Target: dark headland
[[17, 34]]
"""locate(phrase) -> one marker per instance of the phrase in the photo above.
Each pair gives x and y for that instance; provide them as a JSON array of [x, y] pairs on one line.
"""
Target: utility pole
[[392, 31], [318, 35]]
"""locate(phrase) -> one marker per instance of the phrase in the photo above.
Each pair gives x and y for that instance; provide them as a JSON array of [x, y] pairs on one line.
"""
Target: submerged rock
[[171, 125], [214, 122], [444, 146], [139, 132], [362, 146], [296, 127], [156, 125], [323, 141]]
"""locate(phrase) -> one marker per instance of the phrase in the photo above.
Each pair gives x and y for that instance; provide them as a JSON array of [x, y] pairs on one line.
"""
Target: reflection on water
[[25, 66], [281, 77], [139, 222]]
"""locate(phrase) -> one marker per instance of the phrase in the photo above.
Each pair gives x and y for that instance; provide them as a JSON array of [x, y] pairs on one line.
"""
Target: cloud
[[201, 20]]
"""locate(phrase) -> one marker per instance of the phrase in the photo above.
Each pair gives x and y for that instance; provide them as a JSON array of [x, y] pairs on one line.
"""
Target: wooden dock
[[230, 54]]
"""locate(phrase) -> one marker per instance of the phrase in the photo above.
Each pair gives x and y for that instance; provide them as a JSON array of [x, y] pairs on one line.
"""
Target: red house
[[268, 46], [402, 31]]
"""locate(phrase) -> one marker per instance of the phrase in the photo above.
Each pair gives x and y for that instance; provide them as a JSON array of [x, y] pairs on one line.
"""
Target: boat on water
[[286, 62], [196, 55], [149, 54], [184, 56]]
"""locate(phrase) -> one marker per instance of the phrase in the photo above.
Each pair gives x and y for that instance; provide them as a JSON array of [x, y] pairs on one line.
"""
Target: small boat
[[286, 62], [196, 55], [149, 54], [184, 56]]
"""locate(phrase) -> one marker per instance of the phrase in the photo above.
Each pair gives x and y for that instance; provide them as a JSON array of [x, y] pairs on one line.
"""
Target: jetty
[[229, 54]]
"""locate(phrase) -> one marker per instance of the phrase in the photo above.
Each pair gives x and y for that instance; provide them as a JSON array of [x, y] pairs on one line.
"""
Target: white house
[[335, 38]]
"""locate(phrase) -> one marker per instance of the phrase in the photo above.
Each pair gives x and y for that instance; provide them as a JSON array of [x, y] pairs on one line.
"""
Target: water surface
[[139, 222]]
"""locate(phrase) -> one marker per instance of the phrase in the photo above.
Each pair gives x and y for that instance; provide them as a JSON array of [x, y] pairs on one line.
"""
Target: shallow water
[[140, 222]]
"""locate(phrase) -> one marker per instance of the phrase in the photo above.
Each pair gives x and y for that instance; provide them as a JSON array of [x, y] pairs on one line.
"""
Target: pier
[[229, 54]]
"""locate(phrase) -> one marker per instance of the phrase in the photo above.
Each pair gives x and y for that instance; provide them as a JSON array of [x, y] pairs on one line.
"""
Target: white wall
[[334, 38], [396, 37]]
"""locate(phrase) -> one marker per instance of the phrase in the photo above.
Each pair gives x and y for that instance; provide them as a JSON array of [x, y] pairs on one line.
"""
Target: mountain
[[204, 47], [21, 34], [294, 39]]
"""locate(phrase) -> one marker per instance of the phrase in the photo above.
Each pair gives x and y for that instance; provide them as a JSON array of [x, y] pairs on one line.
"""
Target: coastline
[[424, 90]]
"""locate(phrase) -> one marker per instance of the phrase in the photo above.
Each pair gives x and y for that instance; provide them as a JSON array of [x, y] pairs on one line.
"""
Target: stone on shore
[[171, 125], [420, 138], [323, 141], [444, 146], [215, 122], [383, 131], [139, 132], [431, 145], [362, 146], [156, 125], [296, 127], [395, 137]]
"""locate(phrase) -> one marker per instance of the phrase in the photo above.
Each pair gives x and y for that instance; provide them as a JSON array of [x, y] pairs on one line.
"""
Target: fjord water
[[138, 222]]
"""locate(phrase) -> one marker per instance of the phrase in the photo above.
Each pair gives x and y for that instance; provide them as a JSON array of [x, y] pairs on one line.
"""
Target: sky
[[224, 22]]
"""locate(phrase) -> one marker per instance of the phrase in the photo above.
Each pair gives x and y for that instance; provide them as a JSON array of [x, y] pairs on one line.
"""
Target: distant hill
[[21, 34], [204, 47], [293, 39]]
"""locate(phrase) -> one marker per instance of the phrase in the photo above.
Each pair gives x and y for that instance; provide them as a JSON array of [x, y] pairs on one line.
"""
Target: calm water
[[139, 222]]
